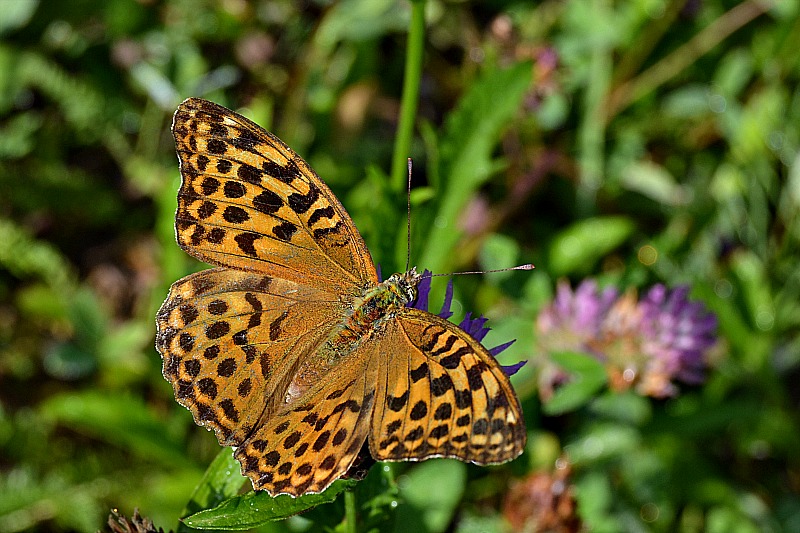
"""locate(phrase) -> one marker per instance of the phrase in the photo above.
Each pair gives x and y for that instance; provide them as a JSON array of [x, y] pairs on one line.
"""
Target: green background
[[635, 142]]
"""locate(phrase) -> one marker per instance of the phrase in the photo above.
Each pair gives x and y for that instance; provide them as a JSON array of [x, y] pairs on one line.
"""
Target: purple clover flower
[[677, 332], [475, 327], [648, 344], [576, 317]]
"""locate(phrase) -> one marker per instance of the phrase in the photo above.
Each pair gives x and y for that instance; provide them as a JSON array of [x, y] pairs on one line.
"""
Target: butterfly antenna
[[529, 266], [408, 218]]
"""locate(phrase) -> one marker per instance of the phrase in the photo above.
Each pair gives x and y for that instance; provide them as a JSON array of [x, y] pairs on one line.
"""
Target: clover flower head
[[649, 343], [575, 317], [544, 501], [677, 333]]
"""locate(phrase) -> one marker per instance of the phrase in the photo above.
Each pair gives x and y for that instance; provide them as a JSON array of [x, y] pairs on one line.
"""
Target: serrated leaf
[[256, 508]]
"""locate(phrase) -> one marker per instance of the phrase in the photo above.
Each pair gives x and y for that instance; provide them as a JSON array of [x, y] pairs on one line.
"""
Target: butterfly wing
[[306, 447], [231, 340], [444, 395], [247, 201]]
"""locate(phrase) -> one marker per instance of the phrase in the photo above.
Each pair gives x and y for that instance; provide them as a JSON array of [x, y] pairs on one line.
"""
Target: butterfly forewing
[[444, 396], [248, 201]]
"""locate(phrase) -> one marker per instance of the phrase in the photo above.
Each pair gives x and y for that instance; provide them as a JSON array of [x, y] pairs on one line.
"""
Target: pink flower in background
[[648, 344]]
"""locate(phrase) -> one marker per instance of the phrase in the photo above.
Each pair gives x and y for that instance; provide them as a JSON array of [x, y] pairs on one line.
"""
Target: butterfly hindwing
[[230, 340], [443, 395], [309, 445], [248, 201]]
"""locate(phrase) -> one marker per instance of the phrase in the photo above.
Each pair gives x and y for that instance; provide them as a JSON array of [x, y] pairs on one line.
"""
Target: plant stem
[[408, 103], [350, 511], [592, 129], [673, 64]]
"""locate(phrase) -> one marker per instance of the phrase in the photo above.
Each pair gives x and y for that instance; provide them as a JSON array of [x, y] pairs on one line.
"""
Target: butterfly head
[[404, 284]]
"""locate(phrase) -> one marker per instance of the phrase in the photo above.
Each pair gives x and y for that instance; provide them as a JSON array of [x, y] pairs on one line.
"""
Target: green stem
[[350, 512], [675, 63], [592, 129], [408, 103]]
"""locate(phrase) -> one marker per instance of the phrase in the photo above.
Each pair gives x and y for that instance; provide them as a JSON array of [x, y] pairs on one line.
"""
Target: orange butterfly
[[291, 349]]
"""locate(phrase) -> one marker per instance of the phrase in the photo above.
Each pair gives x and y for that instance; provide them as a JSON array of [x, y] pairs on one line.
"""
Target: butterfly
[[291, 349]]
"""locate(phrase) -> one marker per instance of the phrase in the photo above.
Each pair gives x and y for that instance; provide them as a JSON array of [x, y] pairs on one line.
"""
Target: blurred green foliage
[[637, 142]]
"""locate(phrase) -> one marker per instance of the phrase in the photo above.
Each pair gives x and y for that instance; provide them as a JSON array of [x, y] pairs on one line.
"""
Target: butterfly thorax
[[378, 304], [368, 316]]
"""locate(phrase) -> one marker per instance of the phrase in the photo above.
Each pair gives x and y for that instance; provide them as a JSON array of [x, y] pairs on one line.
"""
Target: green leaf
[[256, 508], [16, 14], [687, 101], [377, 497], [605, 441], [356, 20], [431, 491], [655, 182], [587, 377], [478, 523], [221, 480], [123, 420], [581, 245], [595, 496], [627, 407], [499, 251], [24, 256]]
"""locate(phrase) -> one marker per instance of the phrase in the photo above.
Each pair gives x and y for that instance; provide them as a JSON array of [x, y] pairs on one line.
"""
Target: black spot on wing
[[441, 385], [246, 141], [396, 403], [223, 166], [285, 173], [324, 233], [234, 189], [319, 214], [235, 214], [275, 326], [420, 372], [452, 360], [419, 411], [447, 345], [250, 174], [284, 231], [245, 242], [216, 146], [300, 203], [267, 202], [209, 186]]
